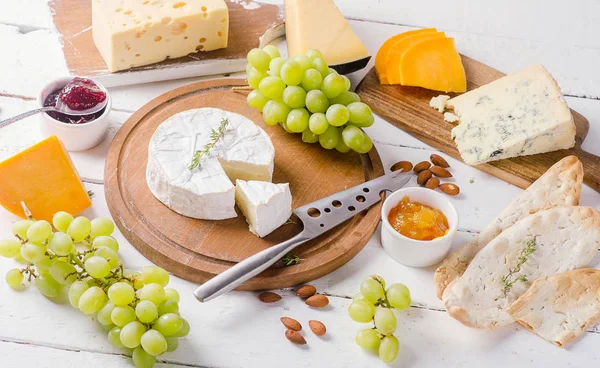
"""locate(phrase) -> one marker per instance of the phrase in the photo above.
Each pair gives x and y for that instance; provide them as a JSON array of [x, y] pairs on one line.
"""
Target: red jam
[[79, 94]]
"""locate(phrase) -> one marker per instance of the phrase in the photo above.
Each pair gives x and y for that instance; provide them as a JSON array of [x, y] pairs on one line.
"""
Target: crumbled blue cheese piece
[[517, 115], [439, 102], [450, 117]]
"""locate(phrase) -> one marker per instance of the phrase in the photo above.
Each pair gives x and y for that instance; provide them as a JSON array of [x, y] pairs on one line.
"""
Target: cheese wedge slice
[[560, 308], [131, 33], [319, 25], [384, 50], [207, 192], [399, 48], [560, 186], [266, 206], [44, 178], [543, 244], [517, 115]]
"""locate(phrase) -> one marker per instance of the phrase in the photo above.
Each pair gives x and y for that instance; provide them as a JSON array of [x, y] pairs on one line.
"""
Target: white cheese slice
[[207, 192], [266, 206], [130, 33], [517, 115]]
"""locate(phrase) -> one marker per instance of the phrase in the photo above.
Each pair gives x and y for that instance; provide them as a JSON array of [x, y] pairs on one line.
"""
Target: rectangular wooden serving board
[[251, 24], [408, 108]]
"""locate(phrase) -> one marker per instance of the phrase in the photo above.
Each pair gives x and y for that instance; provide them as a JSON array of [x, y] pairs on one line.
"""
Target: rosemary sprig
[[510, 279], [215, 135], [290, 260], [288, 222], [91, 194]]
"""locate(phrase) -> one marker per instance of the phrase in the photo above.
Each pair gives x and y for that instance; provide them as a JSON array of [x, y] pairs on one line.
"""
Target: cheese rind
[[319, 24], [131, 33], [266, 206], [45, 179], [517, 115], [207, 192]]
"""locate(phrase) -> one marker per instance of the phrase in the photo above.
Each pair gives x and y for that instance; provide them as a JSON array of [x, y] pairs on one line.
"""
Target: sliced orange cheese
[[44, 178], [395, 54], [382, 54], [434, 64]]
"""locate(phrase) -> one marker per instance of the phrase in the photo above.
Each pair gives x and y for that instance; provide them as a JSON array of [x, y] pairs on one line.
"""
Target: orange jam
[[418, 221]]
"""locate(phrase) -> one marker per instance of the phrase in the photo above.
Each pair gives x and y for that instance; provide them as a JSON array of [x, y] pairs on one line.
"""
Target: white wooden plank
[[573, 66], [23, 354], [553, 22], [28, 60], [26, 14]]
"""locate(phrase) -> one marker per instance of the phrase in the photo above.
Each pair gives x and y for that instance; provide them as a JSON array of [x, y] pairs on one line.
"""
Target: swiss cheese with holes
[[131, 33]]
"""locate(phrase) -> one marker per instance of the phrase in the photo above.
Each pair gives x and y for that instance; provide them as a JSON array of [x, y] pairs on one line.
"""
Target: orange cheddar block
[[395, 54], [44, 178], [433, 64], [382, 54]]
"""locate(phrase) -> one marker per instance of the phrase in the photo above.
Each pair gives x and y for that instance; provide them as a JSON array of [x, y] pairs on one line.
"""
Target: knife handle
[[248, 268]]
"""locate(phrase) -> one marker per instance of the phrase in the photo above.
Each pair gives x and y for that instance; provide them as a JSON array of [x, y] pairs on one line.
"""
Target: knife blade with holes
[[317, 218]]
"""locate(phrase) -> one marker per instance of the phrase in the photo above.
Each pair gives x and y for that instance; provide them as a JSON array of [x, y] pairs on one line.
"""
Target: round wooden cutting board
[[197, 250]]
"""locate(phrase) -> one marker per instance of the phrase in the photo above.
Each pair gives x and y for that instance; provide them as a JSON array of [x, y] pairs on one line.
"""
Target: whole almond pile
[[429, 173], [293, 327]]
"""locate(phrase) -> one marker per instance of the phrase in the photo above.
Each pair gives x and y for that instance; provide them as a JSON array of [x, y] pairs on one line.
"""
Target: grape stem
[[29, 271]]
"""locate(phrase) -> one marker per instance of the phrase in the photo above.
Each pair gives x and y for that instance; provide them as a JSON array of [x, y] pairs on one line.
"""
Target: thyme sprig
[[215, 135], [291, 260], [512, 277]]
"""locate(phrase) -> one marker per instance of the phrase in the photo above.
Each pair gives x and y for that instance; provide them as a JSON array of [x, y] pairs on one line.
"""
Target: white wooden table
[[237, 330]]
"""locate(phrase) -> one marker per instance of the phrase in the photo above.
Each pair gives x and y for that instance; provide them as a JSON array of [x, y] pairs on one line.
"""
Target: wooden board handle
[[591, 168]]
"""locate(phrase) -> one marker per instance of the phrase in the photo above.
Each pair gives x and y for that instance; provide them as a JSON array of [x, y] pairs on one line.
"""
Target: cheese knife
[[317, 218]]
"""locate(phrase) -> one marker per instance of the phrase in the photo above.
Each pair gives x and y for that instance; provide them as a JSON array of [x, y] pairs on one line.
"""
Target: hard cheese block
[[517, 115], [44, 178], [130, 33], [266, 206], [319, 24], [244, 152]]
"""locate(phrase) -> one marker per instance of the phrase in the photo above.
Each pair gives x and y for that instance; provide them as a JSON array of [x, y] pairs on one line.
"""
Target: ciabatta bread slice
[[543, 244], [560, 186], [560, 308]]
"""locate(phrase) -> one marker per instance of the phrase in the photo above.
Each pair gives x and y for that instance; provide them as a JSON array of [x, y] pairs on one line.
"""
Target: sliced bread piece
[[543, 244], [266, 205], [560, 186], [560, 308]]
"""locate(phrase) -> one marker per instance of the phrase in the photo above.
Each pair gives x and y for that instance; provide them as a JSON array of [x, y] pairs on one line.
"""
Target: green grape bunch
[[305, 96], [376, 304], [79, 258]]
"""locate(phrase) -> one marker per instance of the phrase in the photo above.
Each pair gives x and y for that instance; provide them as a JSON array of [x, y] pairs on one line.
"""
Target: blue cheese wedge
[[266, 206], [207, 192], [517, 115]]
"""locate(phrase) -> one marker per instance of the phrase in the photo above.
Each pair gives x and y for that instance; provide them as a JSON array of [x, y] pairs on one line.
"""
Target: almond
[[432, 183], [450, 189], [306, 291], [295, 337], [439, 161], [402, 166], [423, 177], [317, 301], [269, 297], [423, 165], [317, 327], [440, 172], [291, 323]]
